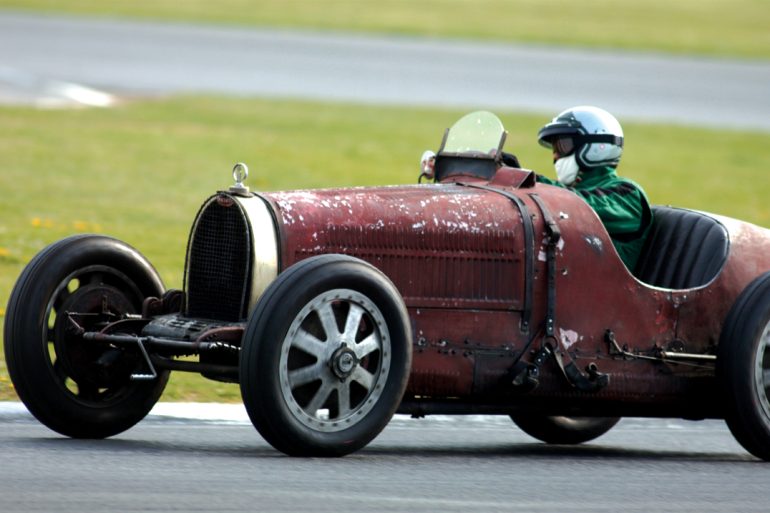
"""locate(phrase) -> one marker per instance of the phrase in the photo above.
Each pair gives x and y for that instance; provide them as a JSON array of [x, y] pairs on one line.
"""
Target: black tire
[[564, 430], [743, 368], [325, 357], [77, 388]]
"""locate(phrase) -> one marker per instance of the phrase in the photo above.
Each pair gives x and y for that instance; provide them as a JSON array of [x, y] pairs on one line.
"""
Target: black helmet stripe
[[599, 138]]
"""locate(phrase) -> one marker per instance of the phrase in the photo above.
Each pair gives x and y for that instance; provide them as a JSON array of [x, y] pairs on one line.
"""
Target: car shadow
[[573, 452], [257, 448], [128, 443]]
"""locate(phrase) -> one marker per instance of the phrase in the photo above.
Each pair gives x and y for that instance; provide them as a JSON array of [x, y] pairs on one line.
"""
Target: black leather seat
[[684, 249]]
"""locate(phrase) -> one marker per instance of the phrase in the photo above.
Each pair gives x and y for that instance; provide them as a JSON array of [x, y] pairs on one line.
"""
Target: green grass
[[140, 171], [709, 27]]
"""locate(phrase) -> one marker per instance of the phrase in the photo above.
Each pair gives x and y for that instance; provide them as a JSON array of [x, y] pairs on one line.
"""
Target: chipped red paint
[[443, 246], [457, 255]]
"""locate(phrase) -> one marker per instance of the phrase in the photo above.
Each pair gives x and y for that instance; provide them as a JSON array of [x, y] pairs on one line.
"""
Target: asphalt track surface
[[40, 56], [447, 464]]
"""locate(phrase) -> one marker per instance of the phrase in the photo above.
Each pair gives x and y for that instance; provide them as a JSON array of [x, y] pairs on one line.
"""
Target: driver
[[587, 143]]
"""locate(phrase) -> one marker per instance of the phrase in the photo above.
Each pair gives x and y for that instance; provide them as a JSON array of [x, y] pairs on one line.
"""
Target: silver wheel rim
[[335, 360], [762, 371]]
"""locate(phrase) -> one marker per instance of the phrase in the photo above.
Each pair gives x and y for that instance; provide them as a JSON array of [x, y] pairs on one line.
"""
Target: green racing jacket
[[621, 205]]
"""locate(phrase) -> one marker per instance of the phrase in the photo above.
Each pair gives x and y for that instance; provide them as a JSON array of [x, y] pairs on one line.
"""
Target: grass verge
[[707, 27], [140, 171]]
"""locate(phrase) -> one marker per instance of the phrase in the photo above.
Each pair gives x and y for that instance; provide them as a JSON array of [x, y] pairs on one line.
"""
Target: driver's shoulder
[[611, 185]]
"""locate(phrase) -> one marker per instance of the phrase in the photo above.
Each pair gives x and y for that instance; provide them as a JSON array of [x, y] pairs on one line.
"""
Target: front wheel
[[743, 368], [564, 430], [325, 357], [78, 388]]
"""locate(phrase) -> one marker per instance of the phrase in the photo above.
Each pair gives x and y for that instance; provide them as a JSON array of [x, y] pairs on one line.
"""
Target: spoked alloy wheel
[[743, 368], [335, 360], [325, 357], [75, 387]]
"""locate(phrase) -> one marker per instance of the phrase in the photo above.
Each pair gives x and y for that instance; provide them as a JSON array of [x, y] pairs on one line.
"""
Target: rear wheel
[[325, 357], [743, 368], [564, 430], [78, 388]]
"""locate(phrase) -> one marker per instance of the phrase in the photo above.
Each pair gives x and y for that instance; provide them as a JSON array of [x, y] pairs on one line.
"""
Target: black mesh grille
[[218, 262]]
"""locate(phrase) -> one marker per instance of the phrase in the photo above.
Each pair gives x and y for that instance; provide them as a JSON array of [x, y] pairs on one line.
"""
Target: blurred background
[[121, 116]]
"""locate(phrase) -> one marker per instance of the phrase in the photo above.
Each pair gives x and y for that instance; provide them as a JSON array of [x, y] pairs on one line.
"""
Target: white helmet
[[595, 135]]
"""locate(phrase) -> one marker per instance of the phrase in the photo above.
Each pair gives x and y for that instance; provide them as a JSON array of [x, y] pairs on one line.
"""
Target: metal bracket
[[593, 382], [527, 376], [144, 377]]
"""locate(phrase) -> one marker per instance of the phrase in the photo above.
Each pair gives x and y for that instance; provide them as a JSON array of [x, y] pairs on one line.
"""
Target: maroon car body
[[485, 292], [457, 255]]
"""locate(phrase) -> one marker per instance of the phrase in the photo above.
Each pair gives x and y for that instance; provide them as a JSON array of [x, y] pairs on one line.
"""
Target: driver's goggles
[[563, 146]]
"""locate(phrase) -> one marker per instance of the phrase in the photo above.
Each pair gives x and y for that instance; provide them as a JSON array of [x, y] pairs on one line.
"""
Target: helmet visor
[[563, 146]]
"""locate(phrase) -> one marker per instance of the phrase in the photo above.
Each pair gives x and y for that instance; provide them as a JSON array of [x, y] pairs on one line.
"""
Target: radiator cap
[[240, 173]]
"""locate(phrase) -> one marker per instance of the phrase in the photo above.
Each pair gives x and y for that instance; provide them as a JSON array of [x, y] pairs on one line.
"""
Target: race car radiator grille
[[219, 262]]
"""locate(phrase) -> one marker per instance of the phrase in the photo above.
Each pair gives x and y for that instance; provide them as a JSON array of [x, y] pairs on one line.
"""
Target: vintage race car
[[481, 292]]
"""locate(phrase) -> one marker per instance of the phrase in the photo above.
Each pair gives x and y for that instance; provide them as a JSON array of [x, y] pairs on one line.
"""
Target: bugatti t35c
[[481, 292]]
